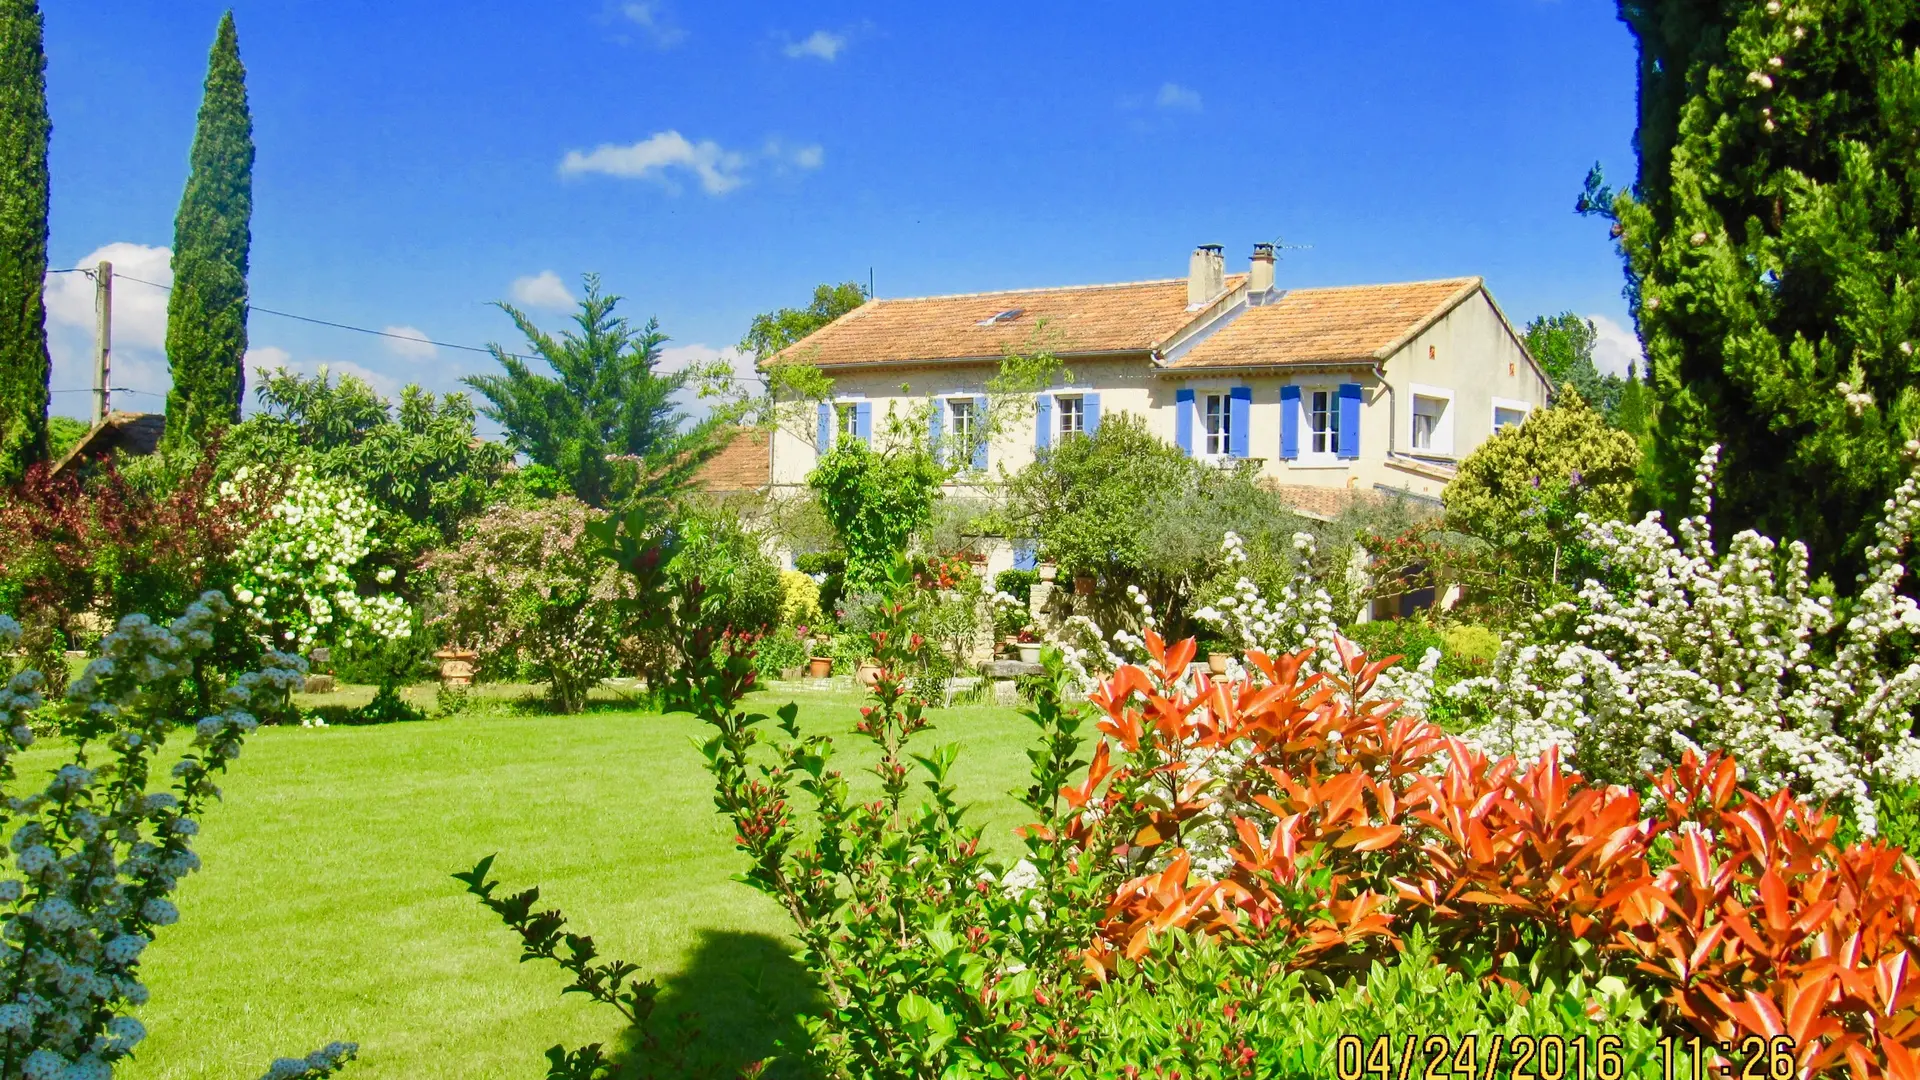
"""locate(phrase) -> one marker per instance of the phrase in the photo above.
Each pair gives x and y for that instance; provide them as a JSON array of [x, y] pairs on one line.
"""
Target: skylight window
[[1005, 316]]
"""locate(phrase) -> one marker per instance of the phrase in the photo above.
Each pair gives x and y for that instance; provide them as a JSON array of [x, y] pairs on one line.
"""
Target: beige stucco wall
[[1469, 353]]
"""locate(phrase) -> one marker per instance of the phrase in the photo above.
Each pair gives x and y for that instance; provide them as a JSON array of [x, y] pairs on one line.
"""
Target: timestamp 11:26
[[1553, 1057]]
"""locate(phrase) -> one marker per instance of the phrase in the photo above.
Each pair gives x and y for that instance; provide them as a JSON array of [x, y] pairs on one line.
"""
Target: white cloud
[[719, 169], [541, 290], [821, 44], [678, 358], [1615, 347], [139, 361], [1174, 97], [410, 343], [655, 21], [810, 157], [264, 358]]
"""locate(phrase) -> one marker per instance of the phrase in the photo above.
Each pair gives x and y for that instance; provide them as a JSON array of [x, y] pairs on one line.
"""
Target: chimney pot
[[1206, 275], [1260, 273]]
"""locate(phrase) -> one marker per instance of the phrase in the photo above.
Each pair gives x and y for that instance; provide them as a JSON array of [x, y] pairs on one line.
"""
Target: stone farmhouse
[[1338, 393]]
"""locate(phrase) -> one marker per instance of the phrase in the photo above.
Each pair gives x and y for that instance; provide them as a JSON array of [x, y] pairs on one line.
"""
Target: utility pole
[[102, 338]]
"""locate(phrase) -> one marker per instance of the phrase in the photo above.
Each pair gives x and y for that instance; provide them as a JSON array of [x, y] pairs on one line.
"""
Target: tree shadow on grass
[[738, 997]]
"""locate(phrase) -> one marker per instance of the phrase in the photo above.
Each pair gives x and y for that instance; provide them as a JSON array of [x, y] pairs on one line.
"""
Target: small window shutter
[[825, 438], [863, 421], [1239, 406], [1090, 414], [1289, 423], [1349, 420], [1042, 421], [980, 433], [933, 430], [1183, 420]]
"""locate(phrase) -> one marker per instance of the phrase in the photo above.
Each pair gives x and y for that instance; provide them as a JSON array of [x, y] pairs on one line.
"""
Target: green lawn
[[325, 909]]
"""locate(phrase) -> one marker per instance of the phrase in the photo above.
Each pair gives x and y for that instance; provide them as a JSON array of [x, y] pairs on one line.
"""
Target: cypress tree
[[24, 130], [207, 312], [1773, 256]]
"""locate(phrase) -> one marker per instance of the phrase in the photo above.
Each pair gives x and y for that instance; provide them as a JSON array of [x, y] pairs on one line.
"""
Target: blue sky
[[713, 160]]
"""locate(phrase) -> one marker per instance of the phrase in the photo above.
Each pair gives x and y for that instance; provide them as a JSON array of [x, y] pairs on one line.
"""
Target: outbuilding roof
[[1135, 316], [1358, 323]]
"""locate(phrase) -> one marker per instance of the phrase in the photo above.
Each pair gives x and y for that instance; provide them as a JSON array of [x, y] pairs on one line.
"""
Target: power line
[[341, 325]]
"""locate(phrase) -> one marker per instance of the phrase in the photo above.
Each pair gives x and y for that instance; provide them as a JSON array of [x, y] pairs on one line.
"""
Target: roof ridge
[[1043, 289], [1461, 280]]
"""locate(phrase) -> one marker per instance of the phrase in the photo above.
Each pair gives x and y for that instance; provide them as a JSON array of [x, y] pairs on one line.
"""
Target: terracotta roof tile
[[744, 464], [1129, 317], [1354, 322]]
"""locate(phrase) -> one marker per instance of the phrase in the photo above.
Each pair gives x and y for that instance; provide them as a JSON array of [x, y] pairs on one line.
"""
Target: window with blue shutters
[[1183, 420], [1090, 405], [1289, 422], [1239, 412], [823, 437], [1323, 422], [980, 442], [1349, 420], [1042, 421]]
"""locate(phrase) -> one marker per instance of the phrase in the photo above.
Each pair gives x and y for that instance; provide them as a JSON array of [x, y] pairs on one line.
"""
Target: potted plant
[[1029, 645], [868, 672], [1217, 662], [1083, 584], [1049, 571], [819, 667]]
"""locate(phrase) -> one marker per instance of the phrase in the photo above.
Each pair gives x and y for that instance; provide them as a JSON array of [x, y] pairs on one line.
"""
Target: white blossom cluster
[[296, 571], [1299, 617], [1718, 652], [94, 855]]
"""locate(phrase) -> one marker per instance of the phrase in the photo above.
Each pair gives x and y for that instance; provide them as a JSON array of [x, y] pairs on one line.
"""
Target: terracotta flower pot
[[819, 667], [1083, 585], [1048, 571], [868, 673], [1029, 652], [1217, 662], [456, 666]]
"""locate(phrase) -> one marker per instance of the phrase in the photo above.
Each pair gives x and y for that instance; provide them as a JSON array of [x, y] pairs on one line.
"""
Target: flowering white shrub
[[1712, 651], [295, 575], [95, 854]]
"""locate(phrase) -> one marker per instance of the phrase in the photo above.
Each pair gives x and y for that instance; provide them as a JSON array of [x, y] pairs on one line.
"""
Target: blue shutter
[[980, 433], [933, 430], [826, 427], [1042, 421], [1090, 416], [1289, 423], [1024, 557], [1183, 420], [1349, 420], [1239, 406], [863, 421]]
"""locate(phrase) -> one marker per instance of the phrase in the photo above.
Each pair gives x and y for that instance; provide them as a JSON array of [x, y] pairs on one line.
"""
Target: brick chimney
[[1206, 275], [1260, 273]]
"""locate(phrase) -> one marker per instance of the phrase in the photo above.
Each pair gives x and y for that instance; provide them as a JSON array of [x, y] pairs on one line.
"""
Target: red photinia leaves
[[1347, 817]]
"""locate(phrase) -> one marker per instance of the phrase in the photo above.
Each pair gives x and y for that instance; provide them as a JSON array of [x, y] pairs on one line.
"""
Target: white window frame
[[1524, 408], [1443, 433], [1331, 454], [846, 418], [1061, 430], [954, 405], [1215, 444]]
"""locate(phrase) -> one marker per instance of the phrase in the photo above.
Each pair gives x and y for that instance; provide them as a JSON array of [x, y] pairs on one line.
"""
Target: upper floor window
[[1323, 421], [1508, 414], [1431, 431], [1219, 425], [962, 422], [1073, 416], [847, 420]]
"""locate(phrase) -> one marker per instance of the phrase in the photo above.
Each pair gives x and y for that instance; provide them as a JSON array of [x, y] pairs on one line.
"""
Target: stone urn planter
[[1083, 584], [456, 666], [819, 667], [1029, 652], [1049, 571], [867, 673], [1217, 662]]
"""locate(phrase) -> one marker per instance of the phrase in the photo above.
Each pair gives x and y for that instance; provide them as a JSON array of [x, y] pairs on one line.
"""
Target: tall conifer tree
[[1773, 256], [24, 130], [207, 312]]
